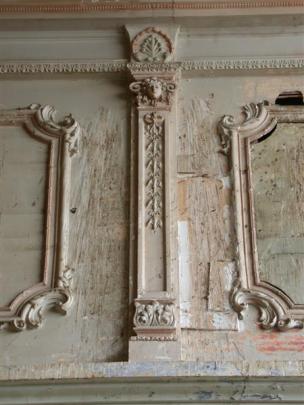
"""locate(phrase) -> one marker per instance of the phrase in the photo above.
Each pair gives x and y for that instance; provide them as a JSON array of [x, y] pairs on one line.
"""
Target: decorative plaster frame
[[54, 291], [276, 308]]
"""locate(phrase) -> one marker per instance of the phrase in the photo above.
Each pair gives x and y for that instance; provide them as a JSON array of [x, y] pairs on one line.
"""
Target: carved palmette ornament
[[27, 308], [152, 45], [276, 309], [154, 92]]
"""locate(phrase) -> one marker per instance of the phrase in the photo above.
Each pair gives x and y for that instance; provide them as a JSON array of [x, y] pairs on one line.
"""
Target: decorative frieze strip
[[243, 64], [154, 179], [277, 63], [83, 7], [63, 67]]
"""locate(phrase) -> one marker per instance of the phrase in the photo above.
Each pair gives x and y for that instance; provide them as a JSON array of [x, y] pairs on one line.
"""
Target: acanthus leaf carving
[[154, 314]]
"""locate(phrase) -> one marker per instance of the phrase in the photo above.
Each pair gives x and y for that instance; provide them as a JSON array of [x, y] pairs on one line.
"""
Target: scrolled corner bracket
[[152, 45], [252, 113], [45, 119], [271, 315], [31, 313]]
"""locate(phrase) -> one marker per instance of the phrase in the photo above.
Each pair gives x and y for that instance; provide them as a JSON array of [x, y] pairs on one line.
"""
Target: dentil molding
[[206, 65]]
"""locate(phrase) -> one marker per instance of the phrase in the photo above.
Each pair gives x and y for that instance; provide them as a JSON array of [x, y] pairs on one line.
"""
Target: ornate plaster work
[[154, 320], [276, 308], [154, 92], [63, 67], [145, 6], [154, 317], [154, 313], [27, 308], [243, 64], [154, 133], [240, 64], [152, 45]]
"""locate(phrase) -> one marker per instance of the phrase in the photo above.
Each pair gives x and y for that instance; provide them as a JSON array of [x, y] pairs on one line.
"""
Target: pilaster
[[154, 301]]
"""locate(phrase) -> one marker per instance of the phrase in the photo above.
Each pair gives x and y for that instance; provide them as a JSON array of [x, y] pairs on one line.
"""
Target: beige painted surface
[[277, 189], [22, 207]]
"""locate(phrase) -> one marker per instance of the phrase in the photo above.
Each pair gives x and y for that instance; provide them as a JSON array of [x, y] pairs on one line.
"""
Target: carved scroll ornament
[[277, 309], [53, 291]]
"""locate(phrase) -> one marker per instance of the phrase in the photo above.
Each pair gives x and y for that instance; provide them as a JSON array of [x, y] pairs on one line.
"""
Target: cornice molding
[[193, 390], [82, 8], [278, 63]]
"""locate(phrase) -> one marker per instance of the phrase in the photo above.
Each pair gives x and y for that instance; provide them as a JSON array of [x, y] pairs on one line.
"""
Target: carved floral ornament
[[152, 45], [154, 182], [53, 291], [277, 309], [154, 320]]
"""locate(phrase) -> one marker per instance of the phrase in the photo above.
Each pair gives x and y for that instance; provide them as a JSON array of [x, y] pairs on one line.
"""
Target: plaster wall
[[96, 332]]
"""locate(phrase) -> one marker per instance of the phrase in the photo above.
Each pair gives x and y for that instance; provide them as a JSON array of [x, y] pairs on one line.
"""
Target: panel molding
[[26, 310], [276, 308]]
